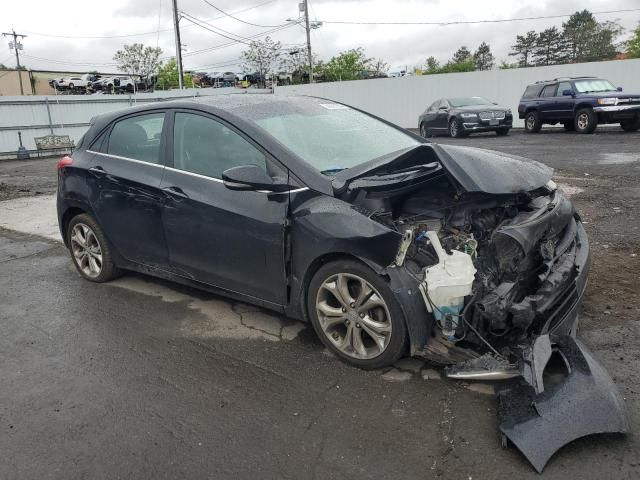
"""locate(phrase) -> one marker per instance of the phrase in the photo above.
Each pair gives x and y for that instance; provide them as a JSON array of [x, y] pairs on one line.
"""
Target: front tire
[[90, 250], [586, 120], [630, 125], [356, 315], [456, 130], [532, 123]]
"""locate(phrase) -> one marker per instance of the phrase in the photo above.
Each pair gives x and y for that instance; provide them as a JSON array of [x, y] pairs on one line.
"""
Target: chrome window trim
[[110, 155], [218, 180]]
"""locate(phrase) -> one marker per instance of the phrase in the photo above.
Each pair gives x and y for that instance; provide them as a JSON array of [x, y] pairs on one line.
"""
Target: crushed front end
[[501, 259]]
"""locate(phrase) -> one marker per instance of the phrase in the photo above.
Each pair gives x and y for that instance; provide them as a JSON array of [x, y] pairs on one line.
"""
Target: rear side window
[[532, 91], [137, 138], [549, 91], [207, 147]]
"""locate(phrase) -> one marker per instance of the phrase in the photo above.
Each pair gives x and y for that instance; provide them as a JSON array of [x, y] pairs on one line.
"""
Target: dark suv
[[579, 103]]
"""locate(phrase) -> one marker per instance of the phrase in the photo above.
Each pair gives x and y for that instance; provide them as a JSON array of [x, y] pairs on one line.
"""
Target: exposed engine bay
[[501, 271]]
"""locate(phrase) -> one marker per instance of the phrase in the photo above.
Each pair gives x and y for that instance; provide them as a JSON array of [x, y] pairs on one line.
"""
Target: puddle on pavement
[[618, 158], [216, 317], [570, 190]]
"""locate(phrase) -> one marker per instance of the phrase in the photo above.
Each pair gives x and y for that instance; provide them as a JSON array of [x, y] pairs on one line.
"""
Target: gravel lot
[[140, 378]]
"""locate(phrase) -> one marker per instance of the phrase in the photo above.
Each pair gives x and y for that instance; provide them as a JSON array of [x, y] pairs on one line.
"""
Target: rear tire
[[586, 120], [362, 323], [532, 123], [456, 130], [630, 125], [90, 250], [569, 126], [501, 132]]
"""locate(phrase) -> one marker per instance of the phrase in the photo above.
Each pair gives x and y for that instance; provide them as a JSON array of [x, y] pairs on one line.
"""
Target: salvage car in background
[[579, 103], [464, 115], [389, 245]]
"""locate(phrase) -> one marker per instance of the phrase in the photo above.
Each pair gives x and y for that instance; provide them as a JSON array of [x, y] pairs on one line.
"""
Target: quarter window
[[137, 137], [204, 146]]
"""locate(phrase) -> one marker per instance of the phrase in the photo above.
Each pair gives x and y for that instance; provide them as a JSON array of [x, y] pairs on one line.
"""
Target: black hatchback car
[[386, 243], [462, 116]]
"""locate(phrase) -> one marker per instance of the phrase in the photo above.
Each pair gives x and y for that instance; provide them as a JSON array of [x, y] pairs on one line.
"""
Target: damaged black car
[[388, 244]]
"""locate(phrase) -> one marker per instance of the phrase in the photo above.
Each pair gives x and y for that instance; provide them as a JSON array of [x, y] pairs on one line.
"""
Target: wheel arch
[[417, 319], [71, 212], [580, 106]]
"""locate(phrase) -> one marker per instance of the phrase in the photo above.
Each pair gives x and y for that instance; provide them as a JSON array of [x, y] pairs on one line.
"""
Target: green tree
[[524, 47], [462, 55], [457, 67], [633, 44], [378, 67], [167, 76], [295, 62], [3, 66], [504, 65], [139, 60], [431, 66], [349, 65], [550, 47], [587, 40], [483, 58], [263, 57]]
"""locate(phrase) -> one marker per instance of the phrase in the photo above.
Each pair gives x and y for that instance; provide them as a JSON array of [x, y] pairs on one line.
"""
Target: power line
[[470, 22], [65, 62], [239, 19], [228, 44], [140, 34]]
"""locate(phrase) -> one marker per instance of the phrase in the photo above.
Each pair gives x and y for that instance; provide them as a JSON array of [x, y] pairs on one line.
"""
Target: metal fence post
[[46, 102]]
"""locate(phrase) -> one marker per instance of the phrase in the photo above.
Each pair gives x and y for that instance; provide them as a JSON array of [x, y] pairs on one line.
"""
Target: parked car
[[77, 82], [579, 103], [388, 244], [119, 84], [464, 115]]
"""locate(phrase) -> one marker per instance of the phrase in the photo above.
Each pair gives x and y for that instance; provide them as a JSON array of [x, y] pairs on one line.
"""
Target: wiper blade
[[332, 171]]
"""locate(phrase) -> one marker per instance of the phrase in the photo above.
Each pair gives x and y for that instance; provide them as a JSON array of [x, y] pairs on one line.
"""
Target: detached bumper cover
[[584, 403]]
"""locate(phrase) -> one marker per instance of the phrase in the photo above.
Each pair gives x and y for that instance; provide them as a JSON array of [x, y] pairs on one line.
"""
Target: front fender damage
[[540, 415]]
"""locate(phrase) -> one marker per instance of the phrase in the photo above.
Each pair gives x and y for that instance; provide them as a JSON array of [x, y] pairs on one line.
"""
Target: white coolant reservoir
[[448, 282]]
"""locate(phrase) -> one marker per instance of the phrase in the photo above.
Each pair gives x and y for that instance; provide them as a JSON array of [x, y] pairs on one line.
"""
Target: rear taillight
[[64, 162]]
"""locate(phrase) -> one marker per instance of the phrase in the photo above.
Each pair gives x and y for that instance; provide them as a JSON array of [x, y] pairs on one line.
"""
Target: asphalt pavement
[[141, 378]]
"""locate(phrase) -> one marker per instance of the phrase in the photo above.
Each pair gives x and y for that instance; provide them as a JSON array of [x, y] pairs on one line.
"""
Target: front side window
[[562, 86], [137, 137], [205, 146]]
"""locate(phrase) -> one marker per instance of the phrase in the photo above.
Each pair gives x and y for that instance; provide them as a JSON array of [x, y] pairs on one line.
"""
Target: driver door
[[442, 116], [230, 239]]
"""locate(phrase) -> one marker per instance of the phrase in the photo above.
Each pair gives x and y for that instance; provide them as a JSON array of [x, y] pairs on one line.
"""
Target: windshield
[[468, 101], [590, 86], [331, 137]]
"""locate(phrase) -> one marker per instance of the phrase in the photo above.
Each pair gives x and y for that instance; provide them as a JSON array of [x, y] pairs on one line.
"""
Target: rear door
[[429, 115], [125, 193], [230, 239]]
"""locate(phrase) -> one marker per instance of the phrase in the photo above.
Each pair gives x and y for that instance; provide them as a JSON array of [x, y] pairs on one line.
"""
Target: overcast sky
[[398, 45]]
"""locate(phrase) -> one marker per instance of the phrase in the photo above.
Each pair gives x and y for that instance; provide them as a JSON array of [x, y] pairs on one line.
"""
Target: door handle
[[97, 171], [175, 192]]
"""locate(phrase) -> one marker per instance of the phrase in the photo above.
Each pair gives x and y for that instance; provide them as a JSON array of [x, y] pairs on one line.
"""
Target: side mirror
[[568, 93], [619, 89], [495, 103], [251, 177]]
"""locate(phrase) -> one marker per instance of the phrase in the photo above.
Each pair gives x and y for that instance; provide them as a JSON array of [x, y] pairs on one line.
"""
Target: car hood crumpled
[[488, 171]]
